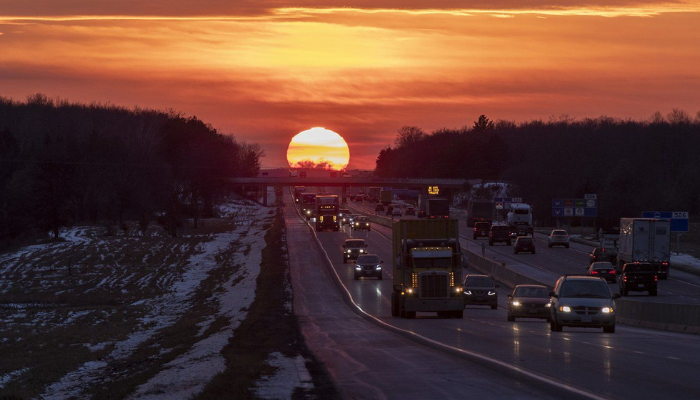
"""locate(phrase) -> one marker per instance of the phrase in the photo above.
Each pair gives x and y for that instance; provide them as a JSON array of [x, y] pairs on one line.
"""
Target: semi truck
[[385, 197], [519, 219], [298, 190], [308, 205], [437, 208], [373, 194], [479, 210], [645, 240], [327, 207], [427, 265]]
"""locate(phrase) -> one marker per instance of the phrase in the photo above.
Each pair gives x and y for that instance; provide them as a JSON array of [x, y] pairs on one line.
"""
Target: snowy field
[[95, 314]]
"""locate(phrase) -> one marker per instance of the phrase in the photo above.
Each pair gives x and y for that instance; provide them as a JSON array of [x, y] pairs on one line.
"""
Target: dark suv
[[481, 290], [368, 265], [499, 233], [638, 277], [481, 229], [582, 301], [352, 248]]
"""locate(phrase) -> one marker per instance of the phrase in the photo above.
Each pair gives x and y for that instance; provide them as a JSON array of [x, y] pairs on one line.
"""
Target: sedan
[[480, 290], [529, 301], [558, 238], [603, 269]]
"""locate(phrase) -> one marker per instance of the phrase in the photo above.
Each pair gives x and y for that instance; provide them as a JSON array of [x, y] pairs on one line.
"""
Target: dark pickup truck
[[637, 277]]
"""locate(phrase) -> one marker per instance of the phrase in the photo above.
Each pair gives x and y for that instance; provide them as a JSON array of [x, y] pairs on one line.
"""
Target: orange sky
[[265, 74]]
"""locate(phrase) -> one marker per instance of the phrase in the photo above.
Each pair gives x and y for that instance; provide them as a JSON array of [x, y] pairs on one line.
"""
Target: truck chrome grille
[[434, 285]]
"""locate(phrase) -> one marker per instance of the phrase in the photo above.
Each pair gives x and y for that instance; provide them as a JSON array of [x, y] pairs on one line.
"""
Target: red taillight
[[594, 272], [624, 279], [656, 278], [475, 229], [664, 263], [612, 272]]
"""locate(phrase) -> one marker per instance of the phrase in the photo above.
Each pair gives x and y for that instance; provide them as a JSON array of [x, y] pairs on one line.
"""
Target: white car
[[558, 237]]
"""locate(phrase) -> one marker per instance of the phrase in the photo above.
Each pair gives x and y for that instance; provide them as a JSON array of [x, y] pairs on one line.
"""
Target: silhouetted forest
[[633, 166], [63, 163]]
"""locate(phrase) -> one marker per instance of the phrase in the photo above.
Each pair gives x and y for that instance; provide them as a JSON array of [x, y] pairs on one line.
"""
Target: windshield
[[355, 243], [431, 262], [531, 292], [593, 289], [368, 259], [479, 281]]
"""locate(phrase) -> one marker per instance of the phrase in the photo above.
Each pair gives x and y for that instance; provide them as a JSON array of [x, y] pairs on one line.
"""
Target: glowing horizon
[[365, 71]]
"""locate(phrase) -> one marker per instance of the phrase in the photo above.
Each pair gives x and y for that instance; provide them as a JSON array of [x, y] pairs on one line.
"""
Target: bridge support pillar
[[344, 194], [265, 196]]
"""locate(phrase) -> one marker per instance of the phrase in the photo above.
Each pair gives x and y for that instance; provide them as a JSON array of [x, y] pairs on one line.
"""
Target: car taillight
[[594, 272], [664, 263], [656, 278], [475, 229], [624, 279], [612, 272]]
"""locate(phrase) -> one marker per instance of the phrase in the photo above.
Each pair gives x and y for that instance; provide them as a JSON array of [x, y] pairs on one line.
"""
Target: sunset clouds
[[266, 74]]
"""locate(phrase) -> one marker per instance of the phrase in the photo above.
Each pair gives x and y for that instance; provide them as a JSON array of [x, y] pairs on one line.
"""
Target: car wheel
[[474, 238], [511, 318], [410, 314], [625, 292], [345, 261], [490, 243], [609, 329], [567, 246], [515, 251], [549, 245], [533, 251], [458, 314], [379, 277], [554, 326], [494, 306], [652, 292], [356, 277], [508, 243]]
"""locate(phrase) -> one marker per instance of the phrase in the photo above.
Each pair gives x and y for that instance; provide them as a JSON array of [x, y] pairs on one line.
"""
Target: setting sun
[[318, 147]]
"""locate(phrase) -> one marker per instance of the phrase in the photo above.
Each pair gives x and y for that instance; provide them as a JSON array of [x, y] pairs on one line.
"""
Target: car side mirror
[[616, 296], [510, 296], [552, 294], [381, 262]]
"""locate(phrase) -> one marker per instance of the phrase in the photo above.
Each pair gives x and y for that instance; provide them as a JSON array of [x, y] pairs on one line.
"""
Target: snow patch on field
[[6, 378], [291, 374], [188, 374], [687, 260]]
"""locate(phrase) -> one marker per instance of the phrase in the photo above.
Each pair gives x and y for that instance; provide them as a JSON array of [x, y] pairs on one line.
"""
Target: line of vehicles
[[427, 264]]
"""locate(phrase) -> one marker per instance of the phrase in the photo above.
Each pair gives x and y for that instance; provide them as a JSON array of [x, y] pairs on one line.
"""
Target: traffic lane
[[571, 356], [366, 361], [561, 261]]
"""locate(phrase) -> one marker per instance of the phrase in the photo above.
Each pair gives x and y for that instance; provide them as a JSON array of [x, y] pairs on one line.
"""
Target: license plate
[[640, 285], [586, 319], [368, 272], [532, 311]]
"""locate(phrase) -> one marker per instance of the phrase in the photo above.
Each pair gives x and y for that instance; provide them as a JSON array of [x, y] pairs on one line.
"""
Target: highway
[[633, 363]]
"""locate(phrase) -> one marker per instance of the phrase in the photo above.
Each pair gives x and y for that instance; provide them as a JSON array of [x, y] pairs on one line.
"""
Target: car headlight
[[607, 310], [515, 303], [378, 267], [564, 308], [409, 290], [308, 212], [348, 251], [492, 292], [357, 267], [362, 251], [458, 289], [468, 292], [548, 305]]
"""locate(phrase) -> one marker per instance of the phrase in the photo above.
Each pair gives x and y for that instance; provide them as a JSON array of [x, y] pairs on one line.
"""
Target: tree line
[[63, 163], [633, 166]]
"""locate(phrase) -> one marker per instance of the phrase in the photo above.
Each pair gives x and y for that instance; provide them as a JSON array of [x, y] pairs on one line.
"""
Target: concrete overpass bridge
[[347, 182]]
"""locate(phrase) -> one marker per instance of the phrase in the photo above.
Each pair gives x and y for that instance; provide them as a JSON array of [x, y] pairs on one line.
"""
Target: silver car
[[582, 301], [558, 237]]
